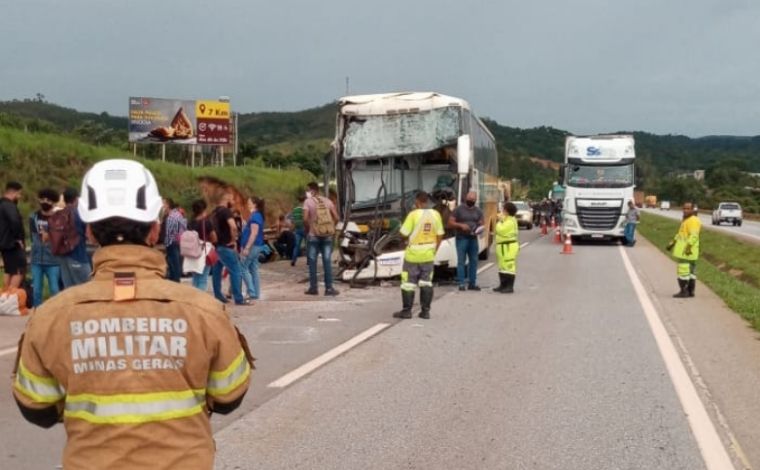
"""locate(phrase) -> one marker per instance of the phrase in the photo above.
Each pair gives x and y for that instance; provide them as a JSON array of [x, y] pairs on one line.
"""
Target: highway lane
[[564, 374], [749, 229], [286, 330]]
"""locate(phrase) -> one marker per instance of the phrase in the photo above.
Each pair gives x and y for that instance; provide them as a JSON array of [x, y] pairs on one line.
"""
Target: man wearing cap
[[133, 364], [685, 249]]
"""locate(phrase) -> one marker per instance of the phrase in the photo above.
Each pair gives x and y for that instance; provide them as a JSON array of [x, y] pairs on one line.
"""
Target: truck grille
[[598, 218]]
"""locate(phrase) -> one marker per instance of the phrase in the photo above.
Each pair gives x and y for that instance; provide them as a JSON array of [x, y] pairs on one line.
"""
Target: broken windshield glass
[[401, 134]]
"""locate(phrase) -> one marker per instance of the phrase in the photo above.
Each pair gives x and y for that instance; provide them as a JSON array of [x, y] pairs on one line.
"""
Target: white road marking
[[523, 245], [329, 319], [487, 266], [314, 364], [5, 352], [713, 452]]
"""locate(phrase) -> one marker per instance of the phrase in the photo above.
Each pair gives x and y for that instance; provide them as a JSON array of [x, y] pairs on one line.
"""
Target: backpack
[[13, 302], [190, 245], [63, 233], [324, 226]]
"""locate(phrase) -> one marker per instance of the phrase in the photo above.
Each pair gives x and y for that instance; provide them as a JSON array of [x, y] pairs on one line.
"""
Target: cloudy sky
[[666, 66]]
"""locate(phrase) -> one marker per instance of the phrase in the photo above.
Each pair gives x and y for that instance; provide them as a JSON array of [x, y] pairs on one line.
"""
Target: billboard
[[170, 121]]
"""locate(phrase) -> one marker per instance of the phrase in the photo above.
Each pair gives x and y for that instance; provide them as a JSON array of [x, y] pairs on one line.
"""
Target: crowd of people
[[235, 248], [214, 241], [58, 256]]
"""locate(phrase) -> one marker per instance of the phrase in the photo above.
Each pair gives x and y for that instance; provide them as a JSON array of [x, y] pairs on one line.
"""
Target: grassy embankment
[[729, 266], [40, 160]]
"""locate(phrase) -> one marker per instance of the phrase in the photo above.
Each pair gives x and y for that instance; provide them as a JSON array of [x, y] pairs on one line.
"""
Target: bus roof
[[393, 103]]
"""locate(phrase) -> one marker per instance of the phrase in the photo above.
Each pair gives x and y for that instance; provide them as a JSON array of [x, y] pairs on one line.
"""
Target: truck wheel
[[739, 223], [530, 226]]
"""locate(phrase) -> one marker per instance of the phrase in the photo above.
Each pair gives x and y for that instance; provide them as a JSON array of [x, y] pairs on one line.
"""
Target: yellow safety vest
[[423, 227]]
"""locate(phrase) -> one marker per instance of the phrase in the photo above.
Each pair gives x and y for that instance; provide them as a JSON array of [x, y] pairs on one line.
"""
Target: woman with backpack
[[251, 242], [206, 234]]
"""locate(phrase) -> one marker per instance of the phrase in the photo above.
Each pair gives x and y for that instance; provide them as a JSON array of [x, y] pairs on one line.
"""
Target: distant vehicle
[[524, 214], [598, 176], [665, 205], [650, 201], [728, 212], [638, 198]]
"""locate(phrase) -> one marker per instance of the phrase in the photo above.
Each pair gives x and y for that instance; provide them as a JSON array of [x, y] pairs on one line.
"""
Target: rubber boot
[[510, 285], [684, 285], [692, 285], [426, 298], [407, 300], [502, 283]]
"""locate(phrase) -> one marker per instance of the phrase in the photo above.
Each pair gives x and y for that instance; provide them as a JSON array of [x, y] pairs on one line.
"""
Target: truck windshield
[[401, 134], [594, 176]]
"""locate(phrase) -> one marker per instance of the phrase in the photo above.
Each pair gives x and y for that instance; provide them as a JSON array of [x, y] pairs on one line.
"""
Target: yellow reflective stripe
[[407, 286], [135, 408], [223, 382], [39, 389], [421, 246]]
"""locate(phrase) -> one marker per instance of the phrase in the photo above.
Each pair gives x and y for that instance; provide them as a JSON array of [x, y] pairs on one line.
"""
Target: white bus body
[[599, 182], [389, 146]]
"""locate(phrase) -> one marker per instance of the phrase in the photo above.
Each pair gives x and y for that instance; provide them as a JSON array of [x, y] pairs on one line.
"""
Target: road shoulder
[[721, 351]]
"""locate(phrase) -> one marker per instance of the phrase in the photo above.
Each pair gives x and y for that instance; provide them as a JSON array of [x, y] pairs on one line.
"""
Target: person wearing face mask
[[467, 222], [44, 264], [12, 236]]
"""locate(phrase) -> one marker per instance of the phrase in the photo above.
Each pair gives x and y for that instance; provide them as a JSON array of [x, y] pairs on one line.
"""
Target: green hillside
[[40, 160], [301, 139]]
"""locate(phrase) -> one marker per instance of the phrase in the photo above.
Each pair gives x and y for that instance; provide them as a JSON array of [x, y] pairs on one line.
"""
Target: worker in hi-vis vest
[[507, 248], [132, 364], [685, 249], [424, 229]]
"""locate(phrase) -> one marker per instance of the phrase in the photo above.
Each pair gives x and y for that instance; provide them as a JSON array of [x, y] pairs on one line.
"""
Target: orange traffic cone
[[554, 223], [543, 227], [567, 248], [557, 236]]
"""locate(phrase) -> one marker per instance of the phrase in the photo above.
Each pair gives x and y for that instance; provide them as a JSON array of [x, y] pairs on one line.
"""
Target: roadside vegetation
[[728, 265], [39, 159], [301, 139]]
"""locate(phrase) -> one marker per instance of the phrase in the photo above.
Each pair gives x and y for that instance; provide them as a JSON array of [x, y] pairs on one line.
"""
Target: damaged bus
[[388, 147]]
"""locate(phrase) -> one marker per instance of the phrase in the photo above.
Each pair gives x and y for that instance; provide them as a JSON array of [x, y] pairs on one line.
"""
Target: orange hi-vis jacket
[[134, 364]]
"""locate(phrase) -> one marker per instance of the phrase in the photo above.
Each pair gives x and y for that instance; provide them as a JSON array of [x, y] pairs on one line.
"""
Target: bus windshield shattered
[[394, 155]]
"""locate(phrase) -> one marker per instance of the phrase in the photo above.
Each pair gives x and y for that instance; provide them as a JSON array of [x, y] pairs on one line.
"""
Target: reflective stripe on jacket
[[134, 379], [423, 227]]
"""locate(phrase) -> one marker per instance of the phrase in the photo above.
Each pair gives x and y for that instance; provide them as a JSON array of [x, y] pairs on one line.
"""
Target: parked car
[[728, 212], [664, 205], [524, 214]]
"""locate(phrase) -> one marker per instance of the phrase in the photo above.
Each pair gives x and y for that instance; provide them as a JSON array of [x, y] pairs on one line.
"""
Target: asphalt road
[[286, 329], [749, 229], [563, 374]]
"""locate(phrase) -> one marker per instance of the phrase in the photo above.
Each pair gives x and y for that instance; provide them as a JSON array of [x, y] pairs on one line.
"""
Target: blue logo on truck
[[593, 152]]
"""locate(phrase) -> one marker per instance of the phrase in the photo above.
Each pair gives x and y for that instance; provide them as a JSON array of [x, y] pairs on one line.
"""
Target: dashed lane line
[[318, 362], [7, 351]]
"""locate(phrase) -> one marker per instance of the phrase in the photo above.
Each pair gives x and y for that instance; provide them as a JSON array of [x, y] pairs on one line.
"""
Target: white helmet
[[119, 188]]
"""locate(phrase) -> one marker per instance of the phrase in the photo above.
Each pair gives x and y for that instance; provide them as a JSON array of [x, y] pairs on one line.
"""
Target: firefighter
[[685, 249], [507, 247], [132, 364], [424, 229]]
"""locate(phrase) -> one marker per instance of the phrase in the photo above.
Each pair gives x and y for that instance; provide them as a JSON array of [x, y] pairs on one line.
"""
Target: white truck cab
[[598, 177]]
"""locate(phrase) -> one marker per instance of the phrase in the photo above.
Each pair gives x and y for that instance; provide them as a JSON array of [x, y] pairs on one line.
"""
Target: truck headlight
[[570, 223]]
